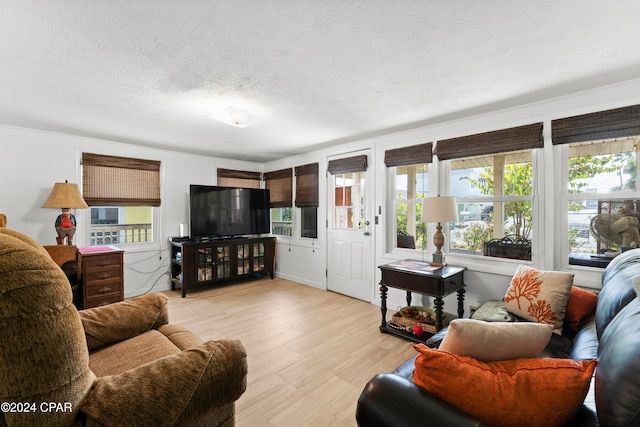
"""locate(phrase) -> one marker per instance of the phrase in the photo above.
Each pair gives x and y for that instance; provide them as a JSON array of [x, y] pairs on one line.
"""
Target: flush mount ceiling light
[[234, 116]]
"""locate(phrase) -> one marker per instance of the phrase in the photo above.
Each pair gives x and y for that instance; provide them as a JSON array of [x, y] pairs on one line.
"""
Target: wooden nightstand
[[102, 269]]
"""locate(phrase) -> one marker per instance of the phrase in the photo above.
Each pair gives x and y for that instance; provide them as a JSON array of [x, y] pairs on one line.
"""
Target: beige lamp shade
[[65, 195], [439, 209]]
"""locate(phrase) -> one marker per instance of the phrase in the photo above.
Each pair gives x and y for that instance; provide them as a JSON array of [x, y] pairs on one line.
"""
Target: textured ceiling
[[310, 72]]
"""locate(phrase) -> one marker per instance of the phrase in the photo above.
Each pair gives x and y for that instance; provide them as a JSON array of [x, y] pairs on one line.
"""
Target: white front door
[[350, 248]]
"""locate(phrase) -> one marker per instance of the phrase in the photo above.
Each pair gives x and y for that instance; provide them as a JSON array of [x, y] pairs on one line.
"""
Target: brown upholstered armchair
[[121, 364]]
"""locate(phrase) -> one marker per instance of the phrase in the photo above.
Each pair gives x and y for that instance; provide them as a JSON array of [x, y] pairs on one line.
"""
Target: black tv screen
[[228, 211]]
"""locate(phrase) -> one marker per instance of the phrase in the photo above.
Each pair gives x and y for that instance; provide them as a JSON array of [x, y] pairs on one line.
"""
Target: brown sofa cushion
[[201, 379], [44, 354], [131, 353], [180, 336], [125, 319]]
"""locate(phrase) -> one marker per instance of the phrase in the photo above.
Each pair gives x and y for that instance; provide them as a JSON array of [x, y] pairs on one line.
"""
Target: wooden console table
[[421, 277]]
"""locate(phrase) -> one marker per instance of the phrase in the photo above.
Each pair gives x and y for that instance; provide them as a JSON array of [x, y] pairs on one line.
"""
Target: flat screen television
[[217, 212]]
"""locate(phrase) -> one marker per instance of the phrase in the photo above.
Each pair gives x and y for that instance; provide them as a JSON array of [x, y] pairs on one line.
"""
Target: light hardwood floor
[[310, 351]]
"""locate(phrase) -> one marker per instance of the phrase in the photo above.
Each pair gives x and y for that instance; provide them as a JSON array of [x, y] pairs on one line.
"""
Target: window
[[307, 199], [348, 208], [123, 194], [492, 177], [349, 191], [280, 186], [600, 152], [282, 221], [409, 182]]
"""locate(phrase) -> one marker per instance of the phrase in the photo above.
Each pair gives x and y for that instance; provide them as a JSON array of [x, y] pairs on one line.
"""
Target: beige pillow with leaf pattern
[[539, 296]]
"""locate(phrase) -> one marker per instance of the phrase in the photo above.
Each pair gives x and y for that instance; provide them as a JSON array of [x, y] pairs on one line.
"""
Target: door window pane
[[349, 193]]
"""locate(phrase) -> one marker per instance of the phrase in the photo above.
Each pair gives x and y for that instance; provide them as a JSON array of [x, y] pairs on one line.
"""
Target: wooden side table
[[102, 269], [66, 256], [421, 277]]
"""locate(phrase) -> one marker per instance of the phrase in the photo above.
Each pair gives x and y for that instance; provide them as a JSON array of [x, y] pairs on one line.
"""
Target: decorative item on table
[[511, 246], [439, 210], [415, 319], [65, 196]]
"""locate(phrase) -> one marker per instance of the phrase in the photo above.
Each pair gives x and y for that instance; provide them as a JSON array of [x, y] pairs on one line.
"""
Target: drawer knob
[[104, 290], [104, 276]]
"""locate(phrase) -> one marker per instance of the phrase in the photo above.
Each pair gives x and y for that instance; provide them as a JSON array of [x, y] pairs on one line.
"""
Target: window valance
[[616, 123], [280, 186], [120, 181], [349, 164], [413, 155], [494, 142], [237, 178], [307, 186]]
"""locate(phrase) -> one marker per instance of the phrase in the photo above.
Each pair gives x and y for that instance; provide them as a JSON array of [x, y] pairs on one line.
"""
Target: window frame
[[561, 153], [280, 184], [536, 220], [392, 244], [307, 197], [153, 204], [594, 126], [405, 156], [529, 137]]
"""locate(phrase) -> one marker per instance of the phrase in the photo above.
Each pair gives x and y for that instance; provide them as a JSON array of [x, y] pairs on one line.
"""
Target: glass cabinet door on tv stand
[[214, 263], [200, 263]]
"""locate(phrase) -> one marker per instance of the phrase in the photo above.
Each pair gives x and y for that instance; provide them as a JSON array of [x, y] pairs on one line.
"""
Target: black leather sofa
[[612, 335]]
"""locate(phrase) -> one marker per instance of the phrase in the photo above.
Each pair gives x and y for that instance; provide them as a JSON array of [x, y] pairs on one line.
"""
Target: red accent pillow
[[581, 303], [520, 392]]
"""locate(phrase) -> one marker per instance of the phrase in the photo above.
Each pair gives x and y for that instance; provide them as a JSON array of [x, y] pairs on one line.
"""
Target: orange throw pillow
[[581, 304], [521, 392]]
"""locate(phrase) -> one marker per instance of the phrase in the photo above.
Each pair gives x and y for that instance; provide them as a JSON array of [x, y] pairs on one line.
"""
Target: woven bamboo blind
[[120, 181], [499, 141], [349, 164], [616, 123], [236, 178], [307, 186], [416, 154], [280, 186]]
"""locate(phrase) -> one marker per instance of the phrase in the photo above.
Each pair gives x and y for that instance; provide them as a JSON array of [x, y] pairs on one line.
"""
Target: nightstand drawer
[[92, 276], [102, 275], [97, 262], [106, 287]]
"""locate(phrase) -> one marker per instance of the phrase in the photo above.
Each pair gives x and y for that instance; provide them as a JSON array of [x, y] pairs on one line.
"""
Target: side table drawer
[[102, 276], [102, 261], [92, 276], [106, 287], [452, 284]]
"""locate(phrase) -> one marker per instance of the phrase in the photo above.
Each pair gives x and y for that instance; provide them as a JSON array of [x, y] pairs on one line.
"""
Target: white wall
[[33, 160], [490, 281]]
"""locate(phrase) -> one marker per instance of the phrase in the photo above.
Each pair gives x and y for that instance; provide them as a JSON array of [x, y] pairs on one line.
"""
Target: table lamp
[[439, 209], [65, 196]]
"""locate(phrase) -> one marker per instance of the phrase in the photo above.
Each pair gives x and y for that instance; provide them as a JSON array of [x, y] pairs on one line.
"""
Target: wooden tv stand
[[201, 263]]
